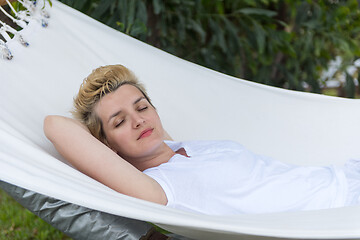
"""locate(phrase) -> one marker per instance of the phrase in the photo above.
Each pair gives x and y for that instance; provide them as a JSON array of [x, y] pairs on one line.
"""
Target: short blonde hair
[[101, 81]]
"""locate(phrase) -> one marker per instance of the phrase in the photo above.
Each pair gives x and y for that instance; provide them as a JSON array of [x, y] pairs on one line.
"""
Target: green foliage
[[283, 43], [17, 223]]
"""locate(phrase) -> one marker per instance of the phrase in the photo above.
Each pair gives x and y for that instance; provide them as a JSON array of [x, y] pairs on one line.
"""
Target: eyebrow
[[118, 112]]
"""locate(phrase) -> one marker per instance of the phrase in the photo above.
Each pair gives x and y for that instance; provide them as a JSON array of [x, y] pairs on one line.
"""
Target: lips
[[145, 133]]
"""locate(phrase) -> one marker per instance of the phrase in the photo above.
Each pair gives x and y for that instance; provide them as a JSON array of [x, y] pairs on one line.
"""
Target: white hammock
[[194, 103]]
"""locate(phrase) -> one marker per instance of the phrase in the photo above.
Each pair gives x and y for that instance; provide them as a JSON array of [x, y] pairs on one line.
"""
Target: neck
[[162, 155]]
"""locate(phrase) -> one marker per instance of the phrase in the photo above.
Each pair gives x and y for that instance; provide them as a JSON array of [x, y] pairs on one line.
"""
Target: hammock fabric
[[80, 222], [193, 102]]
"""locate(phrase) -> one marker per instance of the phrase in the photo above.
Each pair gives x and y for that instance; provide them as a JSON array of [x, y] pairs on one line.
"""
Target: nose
[[137, 120]]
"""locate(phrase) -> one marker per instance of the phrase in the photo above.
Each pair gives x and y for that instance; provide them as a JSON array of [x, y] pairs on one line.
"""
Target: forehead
[[121, 98]]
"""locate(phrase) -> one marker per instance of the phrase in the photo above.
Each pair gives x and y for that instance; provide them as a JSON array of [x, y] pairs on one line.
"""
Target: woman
[[118, 139]]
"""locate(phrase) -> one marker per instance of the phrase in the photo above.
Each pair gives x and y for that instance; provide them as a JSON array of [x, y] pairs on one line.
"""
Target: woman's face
[[132, 126]]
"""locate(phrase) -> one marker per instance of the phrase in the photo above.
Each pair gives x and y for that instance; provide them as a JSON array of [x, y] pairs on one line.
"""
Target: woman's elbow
[[55, 126], [49, 126]]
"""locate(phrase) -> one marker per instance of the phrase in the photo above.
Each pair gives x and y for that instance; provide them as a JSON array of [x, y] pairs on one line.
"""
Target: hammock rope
[[22, 19]]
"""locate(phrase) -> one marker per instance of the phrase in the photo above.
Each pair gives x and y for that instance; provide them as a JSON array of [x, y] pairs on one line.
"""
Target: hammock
[[193, 102]]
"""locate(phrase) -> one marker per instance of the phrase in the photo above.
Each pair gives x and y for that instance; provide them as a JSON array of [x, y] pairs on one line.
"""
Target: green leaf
[[259, 36], [157, 6], [217, 35], [102, 8], [122, 11], [141, 13], [221, 40], [257, 11], [198, 29], [120, 25], [349, 86], [233, 39], [138, 28], [131, 12], [79, 4], [180, 27], [220, 7]]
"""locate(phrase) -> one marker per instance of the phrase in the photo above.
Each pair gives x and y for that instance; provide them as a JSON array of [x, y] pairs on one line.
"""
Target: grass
[[18, 223]]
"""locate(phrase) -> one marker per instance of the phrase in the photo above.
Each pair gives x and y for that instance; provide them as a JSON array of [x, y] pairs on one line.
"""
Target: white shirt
[[224, 178]]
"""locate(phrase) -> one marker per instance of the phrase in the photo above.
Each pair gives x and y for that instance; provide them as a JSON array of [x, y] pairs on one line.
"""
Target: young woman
[[118, 139]]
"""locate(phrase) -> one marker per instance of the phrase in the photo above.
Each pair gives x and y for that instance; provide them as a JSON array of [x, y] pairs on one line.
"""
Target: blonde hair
[[100, 82]]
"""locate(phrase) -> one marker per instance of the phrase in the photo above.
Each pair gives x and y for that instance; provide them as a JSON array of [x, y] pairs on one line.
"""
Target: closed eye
[[119, 123], [142, 108]]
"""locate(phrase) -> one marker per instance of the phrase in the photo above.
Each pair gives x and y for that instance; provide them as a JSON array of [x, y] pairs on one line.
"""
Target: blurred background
[[303, 45]]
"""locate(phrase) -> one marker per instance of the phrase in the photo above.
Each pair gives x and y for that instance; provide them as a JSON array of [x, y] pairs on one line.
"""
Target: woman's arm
[[75, 143]]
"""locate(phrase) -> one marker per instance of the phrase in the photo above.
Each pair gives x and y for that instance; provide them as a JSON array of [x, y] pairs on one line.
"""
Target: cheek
[[156, 118], [160, 124], [119, 139]]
